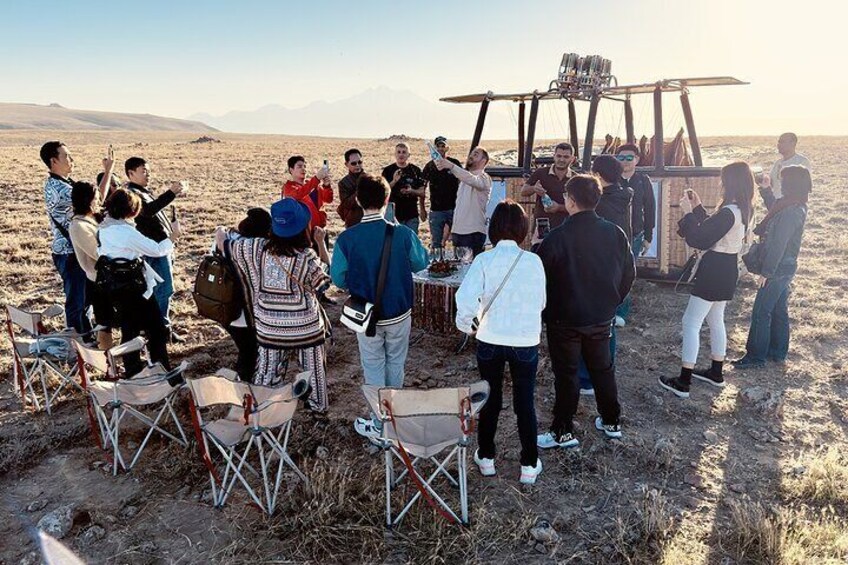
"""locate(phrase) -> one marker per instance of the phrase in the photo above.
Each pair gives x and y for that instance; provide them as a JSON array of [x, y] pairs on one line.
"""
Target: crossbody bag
[[357, 313]]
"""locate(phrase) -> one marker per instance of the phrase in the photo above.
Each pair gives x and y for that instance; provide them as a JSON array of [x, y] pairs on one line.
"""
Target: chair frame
[[27, 372], [109, 416], [262, 439]]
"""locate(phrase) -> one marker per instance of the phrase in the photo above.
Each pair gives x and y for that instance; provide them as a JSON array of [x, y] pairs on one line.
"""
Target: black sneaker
[[675, 385], [748, 363], [709, 376]]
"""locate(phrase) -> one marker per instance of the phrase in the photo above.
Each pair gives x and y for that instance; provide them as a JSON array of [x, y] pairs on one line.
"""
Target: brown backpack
[[217, 290]]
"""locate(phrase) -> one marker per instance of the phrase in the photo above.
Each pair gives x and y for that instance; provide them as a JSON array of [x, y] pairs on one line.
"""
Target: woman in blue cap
[[281, 277]]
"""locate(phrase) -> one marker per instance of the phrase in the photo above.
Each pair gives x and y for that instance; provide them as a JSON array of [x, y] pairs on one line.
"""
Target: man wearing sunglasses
[[349, 209]]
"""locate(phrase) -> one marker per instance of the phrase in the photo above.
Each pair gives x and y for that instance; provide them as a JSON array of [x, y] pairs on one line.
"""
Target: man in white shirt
[[475, 187], [786, 145]]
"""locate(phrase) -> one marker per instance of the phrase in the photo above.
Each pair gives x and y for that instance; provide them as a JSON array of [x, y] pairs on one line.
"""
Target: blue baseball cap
[[289, 217]]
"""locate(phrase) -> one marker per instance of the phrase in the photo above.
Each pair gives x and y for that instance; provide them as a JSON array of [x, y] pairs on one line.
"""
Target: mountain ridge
[[21, 115]]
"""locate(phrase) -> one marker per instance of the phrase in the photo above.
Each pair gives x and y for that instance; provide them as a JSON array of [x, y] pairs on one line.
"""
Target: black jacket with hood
[[615, 207]]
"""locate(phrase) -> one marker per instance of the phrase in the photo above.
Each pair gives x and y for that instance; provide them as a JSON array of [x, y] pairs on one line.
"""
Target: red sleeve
[[325, 194], [293, 190]]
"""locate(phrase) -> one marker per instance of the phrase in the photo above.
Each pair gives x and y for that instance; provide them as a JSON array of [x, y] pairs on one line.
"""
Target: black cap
[[440, 139]]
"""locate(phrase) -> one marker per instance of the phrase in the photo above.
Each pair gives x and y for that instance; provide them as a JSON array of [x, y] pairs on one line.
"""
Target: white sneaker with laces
[[530, 474], [619, 322], [548, 440], [366, 428], [611, 430], [587, 392], [487, 466]]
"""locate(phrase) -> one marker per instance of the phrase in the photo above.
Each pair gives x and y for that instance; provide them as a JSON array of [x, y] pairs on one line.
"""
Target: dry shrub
[[784, 536], [642, 534], [825, 479]]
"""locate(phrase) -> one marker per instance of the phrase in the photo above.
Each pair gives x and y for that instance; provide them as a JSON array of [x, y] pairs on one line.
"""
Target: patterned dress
[[283, 306]]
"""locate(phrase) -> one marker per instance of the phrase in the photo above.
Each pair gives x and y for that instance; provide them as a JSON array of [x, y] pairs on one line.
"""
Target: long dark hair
[[737, 182], [288, 246]]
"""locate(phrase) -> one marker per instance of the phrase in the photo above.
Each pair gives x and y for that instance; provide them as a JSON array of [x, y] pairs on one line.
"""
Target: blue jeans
[[383, 356], [523, 362], [411, 224], [163, 291], [623, 309], [768, 337], [438, 221], [73, 285], [583, 371]]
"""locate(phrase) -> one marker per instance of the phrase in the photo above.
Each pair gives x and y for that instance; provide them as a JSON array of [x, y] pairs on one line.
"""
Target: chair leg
[[462, 471], [389, 481], [428, 487]]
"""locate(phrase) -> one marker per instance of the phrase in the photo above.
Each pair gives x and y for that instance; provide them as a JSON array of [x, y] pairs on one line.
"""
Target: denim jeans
[[583, 372], [768, 337], [476, 241], [163, 291], [438, 221], [73, 285], [411, 224], [383, 356], [523, 362], [566, 345], [623, 309]]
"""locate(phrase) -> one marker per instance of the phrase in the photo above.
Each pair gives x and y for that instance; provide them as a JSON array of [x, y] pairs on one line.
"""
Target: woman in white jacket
[[502, 298], [137, 310]]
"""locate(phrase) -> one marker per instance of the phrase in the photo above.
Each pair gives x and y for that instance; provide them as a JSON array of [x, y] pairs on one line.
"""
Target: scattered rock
[[37, 505], [130, 510], [148, 547], [205, 139], [31, 558], [693, 479], [764, 401], [92, 535], [540, 548], [589, 509], [545, 533], [711, 437], [738, 488], [322, 452], [799, 470], [58, 522]]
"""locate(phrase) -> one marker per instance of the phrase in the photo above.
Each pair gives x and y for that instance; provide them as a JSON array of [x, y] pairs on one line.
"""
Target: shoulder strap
[[503, 282], [381, 278], [60, 227]]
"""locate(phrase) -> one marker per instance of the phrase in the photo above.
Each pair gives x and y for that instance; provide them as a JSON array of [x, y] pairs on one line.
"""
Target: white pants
[[697, 311]]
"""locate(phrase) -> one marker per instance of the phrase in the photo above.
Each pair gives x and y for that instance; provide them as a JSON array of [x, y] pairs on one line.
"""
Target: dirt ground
[[753, 473]]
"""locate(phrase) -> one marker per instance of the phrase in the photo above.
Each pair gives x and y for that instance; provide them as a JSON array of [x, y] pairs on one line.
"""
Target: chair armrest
[[135, 344]]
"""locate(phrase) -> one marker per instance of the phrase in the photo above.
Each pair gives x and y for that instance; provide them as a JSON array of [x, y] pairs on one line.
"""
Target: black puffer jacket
[[615, 207]]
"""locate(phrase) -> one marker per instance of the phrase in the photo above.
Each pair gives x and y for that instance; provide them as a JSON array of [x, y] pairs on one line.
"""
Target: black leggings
[[138, 314]]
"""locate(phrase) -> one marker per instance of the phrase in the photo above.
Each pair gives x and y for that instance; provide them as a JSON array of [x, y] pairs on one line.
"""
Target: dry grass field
[[754, 473]]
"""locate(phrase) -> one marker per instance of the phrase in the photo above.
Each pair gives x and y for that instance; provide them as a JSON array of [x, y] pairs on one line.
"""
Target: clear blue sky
[[177, 58]]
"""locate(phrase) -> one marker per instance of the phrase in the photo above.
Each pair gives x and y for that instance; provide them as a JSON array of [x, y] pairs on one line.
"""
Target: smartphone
[[173, 213], [326, 164], [543, 227], [689, 193]]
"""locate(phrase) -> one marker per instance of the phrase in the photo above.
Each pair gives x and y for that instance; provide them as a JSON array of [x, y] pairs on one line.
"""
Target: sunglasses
[[355, 163], [628, 158]]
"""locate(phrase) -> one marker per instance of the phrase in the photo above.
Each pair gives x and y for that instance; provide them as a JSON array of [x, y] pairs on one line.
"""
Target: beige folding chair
[[257, 427], [40, 358], [423, 424], [148, 397]]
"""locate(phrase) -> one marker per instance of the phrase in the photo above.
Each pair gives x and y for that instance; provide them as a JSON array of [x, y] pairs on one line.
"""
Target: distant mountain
[[54, 116], [376, 112]]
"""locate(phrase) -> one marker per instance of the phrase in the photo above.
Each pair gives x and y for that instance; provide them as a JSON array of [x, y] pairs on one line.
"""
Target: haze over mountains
[[376, 112], [56, 117]]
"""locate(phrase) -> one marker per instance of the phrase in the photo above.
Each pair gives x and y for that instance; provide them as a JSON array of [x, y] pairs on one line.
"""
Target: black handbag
[[754, 258], [120, 276]]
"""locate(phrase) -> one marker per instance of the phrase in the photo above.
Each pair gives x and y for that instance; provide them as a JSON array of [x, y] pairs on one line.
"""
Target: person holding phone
[[720, 236], [313, 194], [547, 185], [407, 188]]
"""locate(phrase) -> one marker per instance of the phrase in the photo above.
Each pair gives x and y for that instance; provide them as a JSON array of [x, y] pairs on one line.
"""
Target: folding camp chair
[[39, 355], [148, 397], [418, 425], [258, 424]]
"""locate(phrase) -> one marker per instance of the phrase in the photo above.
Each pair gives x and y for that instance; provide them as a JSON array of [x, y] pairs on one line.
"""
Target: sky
[[177, 58]]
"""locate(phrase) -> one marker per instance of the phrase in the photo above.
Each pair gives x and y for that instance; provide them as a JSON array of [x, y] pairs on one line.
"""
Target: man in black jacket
[[589, 270], [153, 222]]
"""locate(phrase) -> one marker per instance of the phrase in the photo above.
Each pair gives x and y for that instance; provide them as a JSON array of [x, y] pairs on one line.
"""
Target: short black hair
[[133, 163], [50, 150], [795, 181], [371, 191], [123, 204], [350, 152], [294, 160], [564, 146], [628, 147], [607, 167], [584, 190], [257, 223], [82, 197], [508, 221]]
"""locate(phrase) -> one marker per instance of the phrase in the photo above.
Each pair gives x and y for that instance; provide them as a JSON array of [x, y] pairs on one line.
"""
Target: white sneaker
[[619, 322], [547, 441], [611, 430], [530, 474], [487, 466], [587, 392], [366, 428]]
